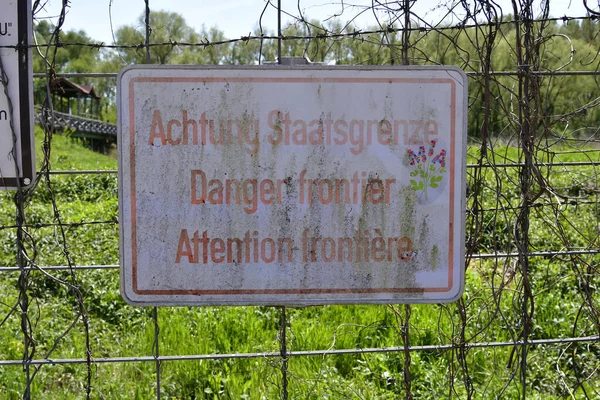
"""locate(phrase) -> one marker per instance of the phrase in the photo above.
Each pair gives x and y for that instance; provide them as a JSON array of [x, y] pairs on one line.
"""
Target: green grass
[[68, 153], [492, 300]]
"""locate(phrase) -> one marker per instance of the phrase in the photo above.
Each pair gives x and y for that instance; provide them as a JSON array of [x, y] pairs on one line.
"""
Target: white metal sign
[[291, 186], [17, 166]]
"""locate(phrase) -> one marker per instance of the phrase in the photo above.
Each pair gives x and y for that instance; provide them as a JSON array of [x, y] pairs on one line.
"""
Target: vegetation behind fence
[[527, 325]]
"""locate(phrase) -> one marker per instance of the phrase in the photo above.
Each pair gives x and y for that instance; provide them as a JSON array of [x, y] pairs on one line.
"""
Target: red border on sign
[[291, 80]]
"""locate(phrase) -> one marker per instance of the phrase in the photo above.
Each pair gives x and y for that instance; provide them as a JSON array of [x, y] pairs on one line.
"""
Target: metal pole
[[284, 355], [156, 352], [278, 31], [147, 21]]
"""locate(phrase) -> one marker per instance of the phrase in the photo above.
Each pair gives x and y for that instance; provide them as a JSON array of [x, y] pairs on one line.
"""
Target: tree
[[204, 54], [165, 27], [68, 58], [75, 53]]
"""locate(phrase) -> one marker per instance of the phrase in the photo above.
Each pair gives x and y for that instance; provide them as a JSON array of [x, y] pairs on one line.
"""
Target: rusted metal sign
[[291, 186], [17, 164]]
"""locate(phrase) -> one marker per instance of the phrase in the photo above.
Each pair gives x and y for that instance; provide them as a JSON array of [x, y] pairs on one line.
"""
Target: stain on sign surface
[[291, 186]]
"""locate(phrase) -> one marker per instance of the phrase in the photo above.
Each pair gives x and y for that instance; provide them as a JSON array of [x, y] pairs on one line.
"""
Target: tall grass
[[119, 330]]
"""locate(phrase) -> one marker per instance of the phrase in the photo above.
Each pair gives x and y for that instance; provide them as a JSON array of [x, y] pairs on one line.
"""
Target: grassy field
[[491, 305]]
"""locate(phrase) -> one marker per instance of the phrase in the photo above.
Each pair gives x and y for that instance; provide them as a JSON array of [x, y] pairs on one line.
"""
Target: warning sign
[[304, 185]]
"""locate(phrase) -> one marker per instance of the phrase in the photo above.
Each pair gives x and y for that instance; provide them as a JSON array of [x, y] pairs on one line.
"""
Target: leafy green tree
[[67, 58], [568, 47], [165, 27], [246, 52], [209, 53]]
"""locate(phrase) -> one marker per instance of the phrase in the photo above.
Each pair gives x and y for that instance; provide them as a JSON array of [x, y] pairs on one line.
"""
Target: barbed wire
[[511, 198], [358, 33]]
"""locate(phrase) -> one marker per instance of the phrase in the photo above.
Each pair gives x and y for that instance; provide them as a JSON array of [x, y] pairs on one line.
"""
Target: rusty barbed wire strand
[[40, 225], [501, 248], [331, 35], [60, 237]]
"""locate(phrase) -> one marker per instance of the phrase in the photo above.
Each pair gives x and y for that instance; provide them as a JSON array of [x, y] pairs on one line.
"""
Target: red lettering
[[157, 131]]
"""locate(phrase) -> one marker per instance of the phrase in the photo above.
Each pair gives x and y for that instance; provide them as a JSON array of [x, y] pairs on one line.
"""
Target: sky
[[239, 18]]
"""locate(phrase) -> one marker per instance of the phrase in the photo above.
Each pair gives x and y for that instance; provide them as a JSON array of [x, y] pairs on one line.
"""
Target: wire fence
[[528, 325]]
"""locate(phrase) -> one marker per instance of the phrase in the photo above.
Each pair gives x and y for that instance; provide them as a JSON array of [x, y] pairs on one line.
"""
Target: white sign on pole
[[17, 164], [291, 186]]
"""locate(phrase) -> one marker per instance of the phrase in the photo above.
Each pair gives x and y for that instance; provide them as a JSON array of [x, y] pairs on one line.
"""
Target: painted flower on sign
[[427, 168]]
